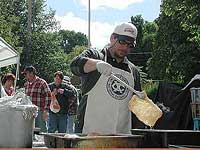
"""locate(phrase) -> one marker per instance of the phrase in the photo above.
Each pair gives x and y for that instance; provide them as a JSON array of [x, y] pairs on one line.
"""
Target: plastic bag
[[54, 106]]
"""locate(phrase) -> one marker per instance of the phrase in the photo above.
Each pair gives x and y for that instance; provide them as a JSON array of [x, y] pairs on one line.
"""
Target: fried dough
[[145, 110]]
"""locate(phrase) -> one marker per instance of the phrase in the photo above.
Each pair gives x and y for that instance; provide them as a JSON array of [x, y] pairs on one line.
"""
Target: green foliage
[[177, 48], [70, 39], [138, 21], [75, 52], [5, 70], [6, 27], [149, 36], [44, 21], [13, 16], [145, 40], [143, 75], [150, 27], [146, 34], [151, 89], [46, 54], [10, 20]]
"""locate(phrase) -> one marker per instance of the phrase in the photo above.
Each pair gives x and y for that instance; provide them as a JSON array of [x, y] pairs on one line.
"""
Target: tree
[[8, 25], [145, 41], [149, 36], [70, 39], [6, 30], [138, 21], [177, 52], [10, 21], [46, 54]]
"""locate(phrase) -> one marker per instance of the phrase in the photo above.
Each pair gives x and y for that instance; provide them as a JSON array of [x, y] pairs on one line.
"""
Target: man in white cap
[[104, 106]]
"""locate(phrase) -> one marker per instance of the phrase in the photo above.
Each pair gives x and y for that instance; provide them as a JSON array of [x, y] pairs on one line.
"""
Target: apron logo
[[116, 89]]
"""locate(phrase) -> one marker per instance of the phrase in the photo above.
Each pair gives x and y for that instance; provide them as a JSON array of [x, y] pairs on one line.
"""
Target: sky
[[105, 15]]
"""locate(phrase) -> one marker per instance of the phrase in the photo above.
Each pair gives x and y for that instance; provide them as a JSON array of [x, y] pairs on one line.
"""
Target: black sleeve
[[68, 91], [137, 80], [51, 86], [78, 62]]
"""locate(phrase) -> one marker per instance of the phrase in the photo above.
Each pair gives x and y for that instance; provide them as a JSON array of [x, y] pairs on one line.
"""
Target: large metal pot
[[16, 123], [83, 141], [15, 131]]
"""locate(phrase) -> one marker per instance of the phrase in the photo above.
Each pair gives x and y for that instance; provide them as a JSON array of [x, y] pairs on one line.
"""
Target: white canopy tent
[[8, 56]]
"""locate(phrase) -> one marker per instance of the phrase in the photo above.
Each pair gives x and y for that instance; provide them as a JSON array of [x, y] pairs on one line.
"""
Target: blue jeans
[[70, 123], [40, 123], [57, 122]]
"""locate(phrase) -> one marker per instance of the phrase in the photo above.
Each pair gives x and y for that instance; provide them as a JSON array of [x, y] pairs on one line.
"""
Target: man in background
[[62, 92], [40, 94], [73, 106]]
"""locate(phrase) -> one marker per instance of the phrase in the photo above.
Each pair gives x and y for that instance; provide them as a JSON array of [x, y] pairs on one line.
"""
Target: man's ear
[[112, 37]]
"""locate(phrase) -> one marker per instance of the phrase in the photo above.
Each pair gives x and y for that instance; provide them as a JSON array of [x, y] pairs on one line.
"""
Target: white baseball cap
[[127, 30]]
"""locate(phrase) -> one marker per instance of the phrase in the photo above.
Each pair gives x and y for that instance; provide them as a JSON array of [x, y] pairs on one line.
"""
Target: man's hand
[[45, 115], [54, 92], [104, 68], [61, 91]]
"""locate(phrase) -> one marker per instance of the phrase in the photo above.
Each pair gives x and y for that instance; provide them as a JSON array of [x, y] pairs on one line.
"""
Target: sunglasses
[[124, 42]]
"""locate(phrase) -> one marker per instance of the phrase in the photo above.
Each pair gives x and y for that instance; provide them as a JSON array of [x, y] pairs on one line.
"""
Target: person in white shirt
[[2, 91]]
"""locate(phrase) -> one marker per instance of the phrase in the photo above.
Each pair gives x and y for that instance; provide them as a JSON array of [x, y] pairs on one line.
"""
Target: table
[[179, 137]]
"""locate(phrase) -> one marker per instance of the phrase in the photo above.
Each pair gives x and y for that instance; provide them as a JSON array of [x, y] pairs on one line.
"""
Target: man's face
[[28, 75], [121, 48], [57, 80]]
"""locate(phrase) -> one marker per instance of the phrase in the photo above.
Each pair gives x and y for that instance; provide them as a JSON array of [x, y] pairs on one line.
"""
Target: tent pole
[[16, 75]]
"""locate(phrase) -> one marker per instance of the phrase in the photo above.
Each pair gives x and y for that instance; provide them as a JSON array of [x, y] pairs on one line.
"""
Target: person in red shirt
[[40, 95], [8, 81]]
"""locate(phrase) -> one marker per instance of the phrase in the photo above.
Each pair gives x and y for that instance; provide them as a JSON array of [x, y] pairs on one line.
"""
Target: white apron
[[107, 105]]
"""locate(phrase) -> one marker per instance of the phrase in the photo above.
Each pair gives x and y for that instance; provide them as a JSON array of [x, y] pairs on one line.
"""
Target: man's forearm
[[90, 65]]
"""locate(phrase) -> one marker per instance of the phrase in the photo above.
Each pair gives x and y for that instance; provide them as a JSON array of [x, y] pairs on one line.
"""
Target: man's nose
[[126, 45]]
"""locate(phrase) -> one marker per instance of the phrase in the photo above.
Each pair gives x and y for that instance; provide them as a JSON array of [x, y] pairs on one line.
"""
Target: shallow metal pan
[[83, 141]]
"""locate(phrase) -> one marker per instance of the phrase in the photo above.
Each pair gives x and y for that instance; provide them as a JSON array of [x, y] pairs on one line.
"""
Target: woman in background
[[2, 91], [8, 82]]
